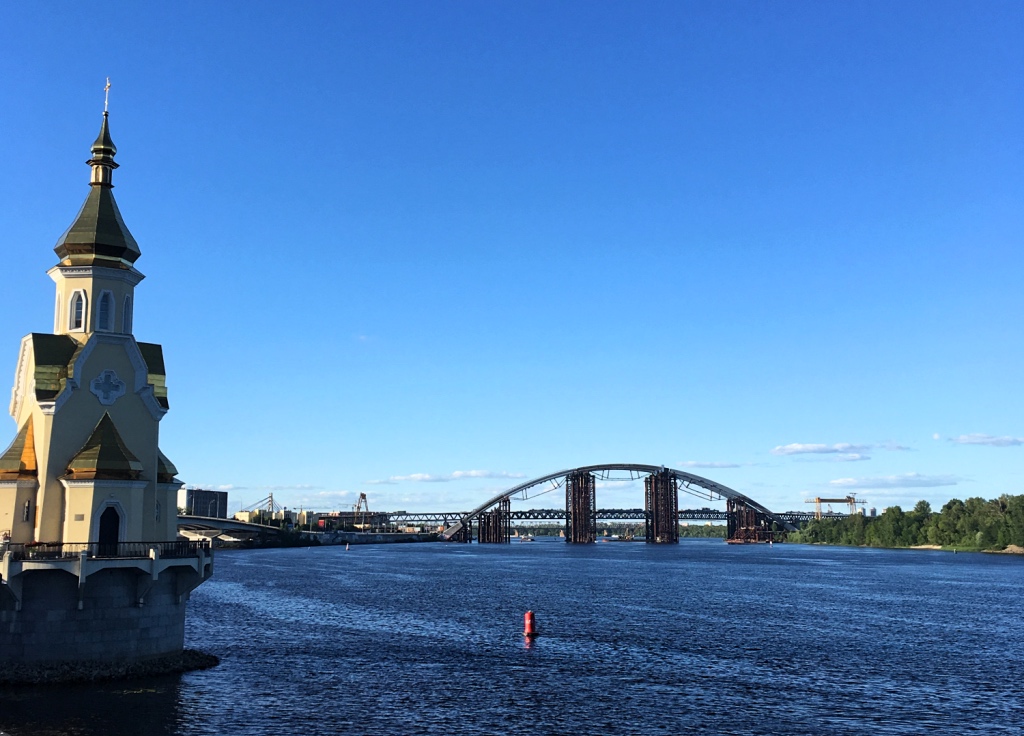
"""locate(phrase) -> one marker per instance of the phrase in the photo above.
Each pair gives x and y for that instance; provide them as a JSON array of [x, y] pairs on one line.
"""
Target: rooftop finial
[[103, 150]]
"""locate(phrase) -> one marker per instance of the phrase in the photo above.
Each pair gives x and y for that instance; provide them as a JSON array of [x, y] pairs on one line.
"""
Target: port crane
[[361, 505], [851, 500]]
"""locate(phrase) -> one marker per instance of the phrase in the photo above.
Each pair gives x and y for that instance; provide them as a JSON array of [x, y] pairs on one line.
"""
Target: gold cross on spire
[[106, 95]]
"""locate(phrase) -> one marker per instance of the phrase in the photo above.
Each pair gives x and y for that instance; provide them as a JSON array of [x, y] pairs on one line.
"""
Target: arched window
[[104, 313], [76, 319], [126, 316]]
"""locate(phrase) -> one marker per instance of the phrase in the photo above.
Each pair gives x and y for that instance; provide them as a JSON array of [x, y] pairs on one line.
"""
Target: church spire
[[98, 236]]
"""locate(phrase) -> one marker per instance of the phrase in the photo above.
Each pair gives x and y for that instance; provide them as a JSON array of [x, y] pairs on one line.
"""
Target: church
[[88, 514]]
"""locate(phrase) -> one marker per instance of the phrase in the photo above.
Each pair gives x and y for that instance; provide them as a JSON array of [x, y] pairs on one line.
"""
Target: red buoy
[[529, 625]]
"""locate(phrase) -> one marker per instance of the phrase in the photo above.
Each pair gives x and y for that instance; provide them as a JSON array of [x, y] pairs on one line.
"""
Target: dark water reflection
[[699, 638]]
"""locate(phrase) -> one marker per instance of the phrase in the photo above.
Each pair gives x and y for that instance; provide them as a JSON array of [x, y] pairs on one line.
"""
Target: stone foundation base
[[63, 672], [118, 615]]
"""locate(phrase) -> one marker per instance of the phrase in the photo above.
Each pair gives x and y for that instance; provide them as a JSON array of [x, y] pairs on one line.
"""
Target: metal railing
[[99, 550]]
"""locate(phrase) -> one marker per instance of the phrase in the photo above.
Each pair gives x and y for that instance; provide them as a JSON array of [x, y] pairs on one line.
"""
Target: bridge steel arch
[[686, 480]]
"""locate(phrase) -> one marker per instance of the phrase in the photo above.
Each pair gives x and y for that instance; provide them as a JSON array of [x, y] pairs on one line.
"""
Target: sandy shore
[[1012, 549]]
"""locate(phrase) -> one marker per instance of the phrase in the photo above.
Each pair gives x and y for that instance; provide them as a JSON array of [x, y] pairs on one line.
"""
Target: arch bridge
[[746, 519]]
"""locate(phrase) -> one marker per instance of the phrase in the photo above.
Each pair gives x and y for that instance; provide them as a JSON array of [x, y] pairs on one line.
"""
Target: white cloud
[[847, 451], [457, 475], [801, 449], [298, 487], [986, 439], [696, 464], [936, 436], [906, 480], [851, 457], [893, 446]]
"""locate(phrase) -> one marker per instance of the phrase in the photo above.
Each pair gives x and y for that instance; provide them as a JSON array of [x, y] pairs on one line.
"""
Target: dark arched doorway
[[110, 527]]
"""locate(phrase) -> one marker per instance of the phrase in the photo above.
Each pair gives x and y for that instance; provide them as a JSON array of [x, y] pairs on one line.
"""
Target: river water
[[698, 638]]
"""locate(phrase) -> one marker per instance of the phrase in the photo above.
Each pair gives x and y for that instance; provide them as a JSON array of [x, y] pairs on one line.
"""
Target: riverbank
[[67, 672], [1011, 549], [335, 538]]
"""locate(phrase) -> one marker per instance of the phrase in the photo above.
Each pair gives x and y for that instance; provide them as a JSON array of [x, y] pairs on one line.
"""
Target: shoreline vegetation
[[974, 525]]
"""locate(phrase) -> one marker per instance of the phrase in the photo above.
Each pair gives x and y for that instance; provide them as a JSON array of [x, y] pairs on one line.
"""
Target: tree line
[[971, 524]]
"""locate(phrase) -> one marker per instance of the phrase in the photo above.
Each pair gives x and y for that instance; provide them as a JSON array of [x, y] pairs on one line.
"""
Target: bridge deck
[[704, 514]]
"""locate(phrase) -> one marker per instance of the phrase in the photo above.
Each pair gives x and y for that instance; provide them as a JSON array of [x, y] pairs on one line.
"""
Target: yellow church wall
[[92, 281], [167, 524], [13, 496], [138, 429], [87, 500], [79, 514], [48, 498], [59, 436]]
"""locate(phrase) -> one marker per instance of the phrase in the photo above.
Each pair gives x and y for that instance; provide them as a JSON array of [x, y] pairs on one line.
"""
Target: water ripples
[[702, 638]]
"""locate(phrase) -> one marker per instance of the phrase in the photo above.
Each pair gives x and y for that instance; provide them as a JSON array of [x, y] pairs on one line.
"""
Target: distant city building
[[201, 502]]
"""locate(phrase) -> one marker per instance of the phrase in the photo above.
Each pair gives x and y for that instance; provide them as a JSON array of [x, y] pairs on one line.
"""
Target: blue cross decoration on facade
[[107, 387]]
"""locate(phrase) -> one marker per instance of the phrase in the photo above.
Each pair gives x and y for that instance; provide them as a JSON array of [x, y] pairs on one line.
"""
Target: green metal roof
[[98, 230], [165, 470], [19, 461], [153, 354], [104, 456], [53, 354]]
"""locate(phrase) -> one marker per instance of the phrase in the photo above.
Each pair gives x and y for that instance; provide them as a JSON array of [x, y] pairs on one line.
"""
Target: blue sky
[[426, 250]]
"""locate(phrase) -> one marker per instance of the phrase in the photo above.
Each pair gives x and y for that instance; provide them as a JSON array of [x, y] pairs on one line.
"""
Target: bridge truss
[[748, 520]]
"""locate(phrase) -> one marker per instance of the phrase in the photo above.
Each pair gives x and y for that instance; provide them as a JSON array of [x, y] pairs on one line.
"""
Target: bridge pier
[[746, 525], [495, 527], [580, 508], [661, 508]]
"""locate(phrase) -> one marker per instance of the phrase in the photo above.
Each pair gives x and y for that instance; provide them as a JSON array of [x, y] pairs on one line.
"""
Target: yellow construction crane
[[851, 500]]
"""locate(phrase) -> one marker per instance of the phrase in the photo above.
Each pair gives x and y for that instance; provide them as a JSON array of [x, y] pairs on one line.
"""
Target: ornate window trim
[[126, 316], [105, 311], [77, 322]]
